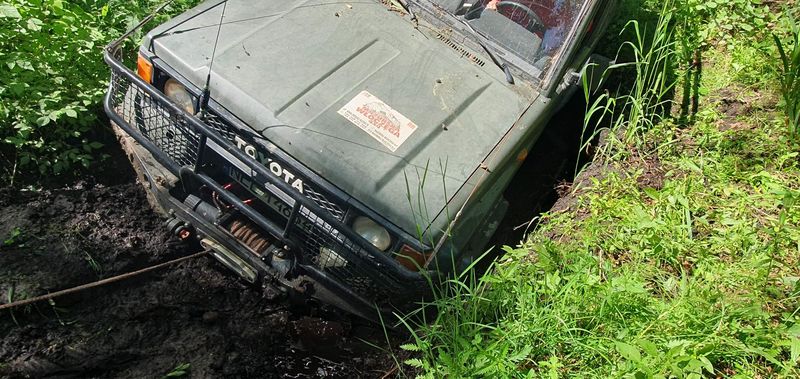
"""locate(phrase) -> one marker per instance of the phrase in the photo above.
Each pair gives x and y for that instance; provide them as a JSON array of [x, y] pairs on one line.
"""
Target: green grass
[[13, 237], [680, 259], [650, 60], [701, 274], [790, 70], [179, 371]]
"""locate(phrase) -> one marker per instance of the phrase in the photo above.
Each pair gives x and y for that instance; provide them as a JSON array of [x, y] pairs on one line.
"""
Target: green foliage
[[726, 21], [790, 78], [179, 371], [53, 77], [456, 339], [695, 278], [13, 237], [632, 113]]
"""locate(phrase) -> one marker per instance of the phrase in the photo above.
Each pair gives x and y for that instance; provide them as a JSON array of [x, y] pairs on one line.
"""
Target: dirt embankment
[[195, 312]]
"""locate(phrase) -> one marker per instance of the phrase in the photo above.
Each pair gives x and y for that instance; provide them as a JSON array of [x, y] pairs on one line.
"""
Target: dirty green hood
[[289, 70]]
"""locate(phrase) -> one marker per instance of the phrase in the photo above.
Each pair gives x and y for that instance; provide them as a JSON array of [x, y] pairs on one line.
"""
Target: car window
[[533, 30]]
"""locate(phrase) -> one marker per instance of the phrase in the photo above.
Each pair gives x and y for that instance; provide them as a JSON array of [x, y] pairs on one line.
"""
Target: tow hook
[[180, 228], [280, 259]]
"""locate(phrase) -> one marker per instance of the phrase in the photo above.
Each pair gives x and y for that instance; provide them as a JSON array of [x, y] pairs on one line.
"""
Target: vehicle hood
[[289, 70]]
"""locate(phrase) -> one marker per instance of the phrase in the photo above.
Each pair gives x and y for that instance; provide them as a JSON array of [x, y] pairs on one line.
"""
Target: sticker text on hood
[[379, 120]]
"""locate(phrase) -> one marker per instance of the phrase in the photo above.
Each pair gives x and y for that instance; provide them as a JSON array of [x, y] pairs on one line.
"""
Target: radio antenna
[[207, 89]]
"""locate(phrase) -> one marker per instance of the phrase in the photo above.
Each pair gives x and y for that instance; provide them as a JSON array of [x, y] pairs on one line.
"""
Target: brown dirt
[[732, 104], [652, 172], [195, 312], [646, 170], [570, 192]]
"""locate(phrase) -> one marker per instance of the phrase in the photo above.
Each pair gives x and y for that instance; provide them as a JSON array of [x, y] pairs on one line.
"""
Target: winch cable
[[98, 283]]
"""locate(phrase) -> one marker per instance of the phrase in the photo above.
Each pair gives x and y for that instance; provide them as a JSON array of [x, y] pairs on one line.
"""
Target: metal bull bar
[[391, 274]]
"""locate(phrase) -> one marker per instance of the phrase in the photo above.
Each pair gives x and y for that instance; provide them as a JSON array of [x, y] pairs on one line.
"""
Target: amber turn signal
[[410, 258], [144, 68]]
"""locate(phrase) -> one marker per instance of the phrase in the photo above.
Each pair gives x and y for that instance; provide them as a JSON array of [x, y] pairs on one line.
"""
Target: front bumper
[[345, 269]]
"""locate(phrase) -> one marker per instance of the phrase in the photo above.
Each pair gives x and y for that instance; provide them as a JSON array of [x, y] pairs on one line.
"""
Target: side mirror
[[594, 73]]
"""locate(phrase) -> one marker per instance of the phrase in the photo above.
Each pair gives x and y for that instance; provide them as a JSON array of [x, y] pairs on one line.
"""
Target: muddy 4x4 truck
[[352, 151]]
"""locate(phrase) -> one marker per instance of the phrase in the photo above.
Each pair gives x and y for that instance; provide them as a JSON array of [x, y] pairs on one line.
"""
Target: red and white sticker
[[379, 120]]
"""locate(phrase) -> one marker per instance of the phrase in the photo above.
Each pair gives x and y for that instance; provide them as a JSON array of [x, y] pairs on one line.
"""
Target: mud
[[194, 313]]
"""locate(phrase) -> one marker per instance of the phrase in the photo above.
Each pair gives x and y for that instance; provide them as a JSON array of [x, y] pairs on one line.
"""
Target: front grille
[[223, 128], [175, 135], [216, 123], [326, 249], [323, 202]]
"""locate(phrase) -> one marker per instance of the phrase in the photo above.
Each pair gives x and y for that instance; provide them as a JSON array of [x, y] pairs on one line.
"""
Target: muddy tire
[[154, 124]]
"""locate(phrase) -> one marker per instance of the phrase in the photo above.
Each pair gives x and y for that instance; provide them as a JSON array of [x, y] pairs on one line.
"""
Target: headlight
[[178, 93], [372, 232], [328, 259]]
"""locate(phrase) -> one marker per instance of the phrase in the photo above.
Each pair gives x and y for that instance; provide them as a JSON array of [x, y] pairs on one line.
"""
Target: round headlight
[[178, 93], [372, 232]]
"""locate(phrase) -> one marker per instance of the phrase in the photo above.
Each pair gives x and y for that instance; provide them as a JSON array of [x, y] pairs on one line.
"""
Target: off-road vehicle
[[352, 151]]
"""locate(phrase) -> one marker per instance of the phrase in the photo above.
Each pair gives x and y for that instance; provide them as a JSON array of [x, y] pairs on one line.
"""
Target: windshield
[[534, 31]]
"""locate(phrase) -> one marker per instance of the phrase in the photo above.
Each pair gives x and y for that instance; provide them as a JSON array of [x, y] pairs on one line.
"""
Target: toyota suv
[[351, 151]]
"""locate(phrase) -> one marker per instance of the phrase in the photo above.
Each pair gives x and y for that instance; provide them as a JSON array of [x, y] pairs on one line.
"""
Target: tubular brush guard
[[360, 276]]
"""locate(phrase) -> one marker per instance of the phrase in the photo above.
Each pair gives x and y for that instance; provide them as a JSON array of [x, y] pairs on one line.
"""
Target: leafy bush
[[728, 20], [53, 78]]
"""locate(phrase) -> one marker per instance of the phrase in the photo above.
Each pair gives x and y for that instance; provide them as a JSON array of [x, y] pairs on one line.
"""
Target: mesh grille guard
[[325, 245]]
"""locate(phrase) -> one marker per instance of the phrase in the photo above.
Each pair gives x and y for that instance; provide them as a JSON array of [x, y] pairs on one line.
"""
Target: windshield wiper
[[480, 40], [404, 5]]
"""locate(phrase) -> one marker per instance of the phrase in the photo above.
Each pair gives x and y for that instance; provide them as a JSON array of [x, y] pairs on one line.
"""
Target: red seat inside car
[[551, 12]]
